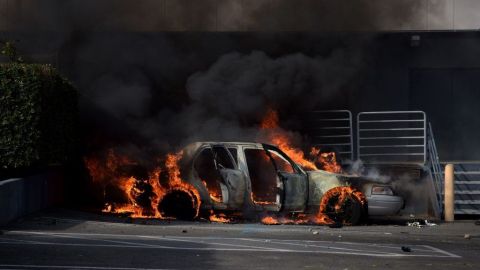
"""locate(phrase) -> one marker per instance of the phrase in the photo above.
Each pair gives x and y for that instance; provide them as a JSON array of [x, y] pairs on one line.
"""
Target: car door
[[265, 185], [294, 192], [231, 177]]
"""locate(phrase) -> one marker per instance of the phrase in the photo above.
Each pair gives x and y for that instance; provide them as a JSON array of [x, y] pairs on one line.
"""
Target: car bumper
[[384, 205]]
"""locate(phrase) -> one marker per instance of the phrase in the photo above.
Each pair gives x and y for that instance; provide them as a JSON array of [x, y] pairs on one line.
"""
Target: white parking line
[[327, 247], [442, 251], [225, 244], [220, 244], [30, 266]]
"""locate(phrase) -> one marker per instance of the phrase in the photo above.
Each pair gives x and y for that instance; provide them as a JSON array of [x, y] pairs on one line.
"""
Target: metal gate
[[392, 137], [396, 137], [332, 129]]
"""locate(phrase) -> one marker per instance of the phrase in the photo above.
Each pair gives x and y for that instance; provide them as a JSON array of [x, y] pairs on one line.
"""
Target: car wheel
[[342, 206]]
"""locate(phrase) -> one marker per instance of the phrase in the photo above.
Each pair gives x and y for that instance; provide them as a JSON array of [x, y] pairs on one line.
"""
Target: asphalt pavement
[[65, 239]]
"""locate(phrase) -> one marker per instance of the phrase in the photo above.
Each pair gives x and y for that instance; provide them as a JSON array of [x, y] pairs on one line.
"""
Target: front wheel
[[343, 205]]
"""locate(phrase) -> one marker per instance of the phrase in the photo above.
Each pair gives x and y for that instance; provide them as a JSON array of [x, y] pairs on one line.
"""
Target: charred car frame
[[260, 178]]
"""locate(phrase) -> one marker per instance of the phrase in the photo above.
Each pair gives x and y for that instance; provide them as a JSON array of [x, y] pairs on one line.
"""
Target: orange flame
[[214, 196], [341, 194], [280, 138], [220, 218], [107, 171], [328, 160], [319, 219], [269, 220]]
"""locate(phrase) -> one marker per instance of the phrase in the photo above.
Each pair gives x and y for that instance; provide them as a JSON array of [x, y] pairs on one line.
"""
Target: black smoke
[[145, 89]]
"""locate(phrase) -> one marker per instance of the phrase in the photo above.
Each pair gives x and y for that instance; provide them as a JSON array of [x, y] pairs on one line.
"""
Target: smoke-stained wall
[[146, 80], [240, 15], [172, 88], [434, 72]]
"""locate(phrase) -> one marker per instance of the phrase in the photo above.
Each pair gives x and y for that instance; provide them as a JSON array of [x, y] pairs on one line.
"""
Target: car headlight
[[381, 190]]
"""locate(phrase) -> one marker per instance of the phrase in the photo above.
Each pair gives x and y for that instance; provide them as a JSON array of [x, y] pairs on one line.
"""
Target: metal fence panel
[[467, 187], [392, 137], [333, 130]]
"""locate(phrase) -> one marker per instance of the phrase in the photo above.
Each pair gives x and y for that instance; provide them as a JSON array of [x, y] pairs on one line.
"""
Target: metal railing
[[392, 137], [467, 187], [333, 129], [396, 137], [467, 180], [433, 163]]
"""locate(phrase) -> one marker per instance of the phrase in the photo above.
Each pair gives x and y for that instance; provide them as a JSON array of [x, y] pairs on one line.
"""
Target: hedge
[[38, 116]]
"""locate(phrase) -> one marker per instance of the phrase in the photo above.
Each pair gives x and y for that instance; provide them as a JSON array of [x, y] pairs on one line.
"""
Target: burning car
[[239, 177], [224, 180]]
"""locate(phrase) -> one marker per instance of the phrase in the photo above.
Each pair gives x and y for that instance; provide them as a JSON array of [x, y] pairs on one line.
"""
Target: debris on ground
[[477, 222], [429, 224], [406, 249], [467, 236], [184, 231], [418, 224], [315, 232], [415, 224]]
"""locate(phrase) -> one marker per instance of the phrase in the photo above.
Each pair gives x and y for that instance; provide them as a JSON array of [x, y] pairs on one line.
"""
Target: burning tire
[[343, 205], [179, 204]]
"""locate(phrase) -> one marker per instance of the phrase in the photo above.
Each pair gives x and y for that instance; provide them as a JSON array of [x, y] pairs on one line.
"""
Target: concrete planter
[[22, 196]]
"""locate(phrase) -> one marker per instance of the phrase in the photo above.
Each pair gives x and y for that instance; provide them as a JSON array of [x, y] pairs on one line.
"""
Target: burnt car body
[[234, 176]]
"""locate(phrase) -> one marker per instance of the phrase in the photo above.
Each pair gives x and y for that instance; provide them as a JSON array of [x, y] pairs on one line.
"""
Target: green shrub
[[38, 116]]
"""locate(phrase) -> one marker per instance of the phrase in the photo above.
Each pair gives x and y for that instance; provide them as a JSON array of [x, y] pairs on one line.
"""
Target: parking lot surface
[[63, 239]]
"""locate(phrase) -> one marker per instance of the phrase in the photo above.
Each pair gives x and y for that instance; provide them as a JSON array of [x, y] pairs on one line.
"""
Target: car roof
[[232, 143]]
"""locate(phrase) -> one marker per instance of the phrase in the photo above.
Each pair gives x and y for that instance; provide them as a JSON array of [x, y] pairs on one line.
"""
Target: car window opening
[[282, 164], [207, 171], [233, 151], [263, 176], [223, 159]]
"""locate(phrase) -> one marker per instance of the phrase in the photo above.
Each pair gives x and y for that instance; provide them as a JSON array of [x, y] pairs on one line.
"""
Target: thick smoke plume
[[228, 100], [161, 91]]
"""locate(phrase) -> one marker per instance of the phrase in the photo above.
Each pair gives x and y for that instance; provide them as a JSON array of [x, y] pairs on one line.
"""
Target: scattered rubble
[[429, 224], [418, 224], [415, 224], [467, 236]]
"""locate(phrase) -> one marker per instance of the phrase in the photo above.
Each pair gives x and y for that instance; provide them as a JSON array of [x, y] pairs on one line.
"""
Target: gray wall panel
[[230, 16], [241, 15], [466, 14], [440, 14]]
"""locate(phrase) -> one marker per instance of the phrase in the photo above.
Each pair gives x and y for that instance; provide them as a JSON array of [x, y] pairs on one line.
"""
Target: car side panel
[[236, 184], [319, 182], [295, 189]]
